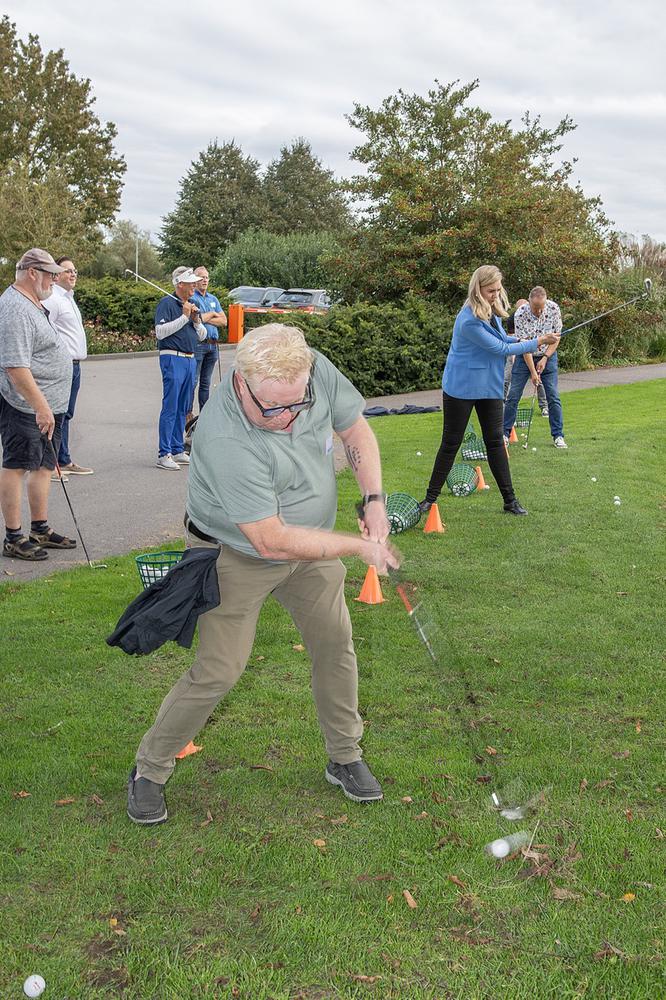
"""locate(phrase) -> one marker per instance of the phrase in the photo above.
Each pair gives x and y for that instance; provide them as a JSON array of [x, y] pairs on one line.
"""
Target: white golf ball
[[418, 453], [499, 849], [34, 986], [617, 502], [533, 449], [594, 479], [616, 498]]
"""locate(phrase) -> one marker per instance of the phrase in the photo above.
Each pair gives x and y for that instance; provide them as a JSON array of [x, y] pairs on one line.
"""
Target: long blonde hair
[[487, 274]]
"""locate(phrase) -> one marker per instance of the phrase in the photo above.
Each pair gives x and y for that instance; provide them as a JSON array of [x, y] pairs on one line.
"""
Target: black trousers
[[456, 414]]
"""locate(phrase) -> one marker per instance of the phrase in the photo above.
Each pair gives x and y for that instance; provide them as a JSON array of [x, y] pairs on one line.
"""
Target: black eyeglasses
[[275, 411], [44, 271]]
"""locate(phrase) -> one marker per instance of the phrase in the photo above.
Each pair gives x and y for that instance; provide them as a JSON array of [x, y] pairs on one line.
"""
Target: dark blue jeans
[[519, 378], [64, 457], [206, 357]]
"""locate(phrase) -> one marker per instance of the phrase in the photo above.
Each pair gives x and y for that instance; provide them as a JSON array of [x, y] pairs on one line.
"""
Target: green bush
[[261, 258], [383, 349]]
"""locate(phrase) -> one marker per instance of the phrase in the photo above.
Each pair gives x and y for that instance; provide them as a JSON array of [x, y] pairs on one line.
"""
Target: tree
[[220, 197], [47, 123], [301, 195], [263, 258], [40, 213], [447, 188], [119, 252]]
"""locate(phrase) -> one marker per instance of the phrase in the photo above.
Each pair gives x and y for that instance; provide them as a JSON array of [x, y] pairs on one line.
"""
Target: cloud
[[268, 71]]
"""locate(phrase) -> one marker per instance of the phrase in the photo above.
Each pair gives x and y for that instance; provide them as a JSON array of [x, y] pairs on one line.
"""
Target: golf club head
[[648, 286]]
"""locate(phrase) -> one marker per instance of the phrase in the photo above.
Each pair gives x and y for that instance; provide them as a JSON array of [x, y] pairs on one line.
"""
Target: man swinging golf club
[[262, 486]]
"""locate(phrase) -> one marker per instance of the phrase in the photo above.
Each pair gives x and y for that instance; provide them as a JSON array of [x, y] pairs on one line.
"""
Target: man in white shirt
[[65, 317]]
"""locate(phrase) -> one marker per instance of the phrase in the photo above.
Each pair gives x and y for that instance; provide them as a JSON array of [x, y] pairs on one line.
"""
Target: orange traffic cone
[[482, 484], [433, 522], [371, 591], [513, 437], [186, 751]]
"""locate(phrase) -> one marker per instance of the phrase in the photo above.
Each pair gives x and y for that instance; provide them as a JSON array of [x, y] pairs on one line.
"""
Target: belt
[[211, 340], [198, 533], [179, 354]]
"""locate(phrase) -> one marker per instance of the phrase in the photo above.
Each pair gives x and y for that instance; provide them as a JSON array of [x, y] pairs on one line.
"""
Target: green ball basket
[[474, 449], [470, 433], [462, 480], [524, 416], [153, 566], [402, 511]]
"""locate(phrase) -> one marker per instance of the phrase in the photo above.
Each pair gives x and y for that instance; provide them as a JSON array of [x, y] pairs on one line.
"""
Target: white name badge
[[329, 445]]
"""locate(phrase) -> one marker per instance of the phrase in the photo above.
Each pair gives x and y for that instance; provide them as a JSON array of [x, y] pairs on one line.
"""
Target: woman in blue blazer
[[474, 377]]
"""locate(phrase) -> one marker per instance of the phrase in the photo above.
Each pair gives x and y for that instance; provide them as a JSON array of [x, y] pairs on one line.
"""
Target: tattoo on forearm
[[353, 456]]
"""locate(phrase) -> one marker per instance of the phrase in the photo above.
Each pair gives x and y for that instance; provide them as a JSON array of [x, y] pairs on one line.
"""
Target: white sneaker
[[559, 442], [182, 458], [506, 440], [167, 462]]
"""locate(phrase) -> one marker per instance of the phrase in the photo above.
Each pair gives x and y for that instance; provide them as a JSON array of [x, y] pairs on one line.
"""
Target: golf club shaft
[[622, 305], [529, 425], [152, 284], [69, 504]]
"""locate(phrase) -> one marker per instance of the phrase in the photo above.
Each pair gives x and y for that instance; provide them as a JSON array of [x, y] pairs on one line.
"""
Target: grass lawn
[[266, 882]]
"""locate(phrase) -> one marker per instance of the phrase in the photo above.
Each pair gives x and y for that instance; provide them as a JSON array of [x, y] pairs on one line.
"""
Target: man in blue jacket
[[179, 329]]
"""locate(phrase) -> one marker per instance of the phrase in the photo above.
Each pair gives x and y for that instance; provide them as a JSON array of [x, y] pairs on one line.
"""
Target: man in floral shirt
[[539, 315]]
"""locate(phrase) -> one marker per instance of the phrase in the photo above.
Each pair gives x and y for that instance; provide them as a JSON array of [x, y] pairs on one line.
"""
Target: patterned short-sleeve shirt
[[527, 325]]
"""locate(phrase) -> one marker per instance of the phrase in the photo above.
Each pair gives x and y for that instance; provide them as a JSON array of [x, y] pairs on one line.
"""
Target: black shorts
[[23, 444]]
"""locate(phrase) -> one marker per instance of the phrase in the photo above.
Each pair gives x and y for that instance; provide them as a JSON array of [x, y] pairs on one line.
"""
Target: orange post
[[481, 485], [434, 522], [513, 437], [235, 323], [371, 591]]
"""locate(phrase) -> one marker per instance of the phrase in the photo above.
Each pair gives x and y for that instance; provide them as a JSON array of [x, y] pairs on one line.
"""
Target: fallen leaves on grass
[[483, 779], [423, 815], [208, 820], [65, 802], [386, 877], [608, 950], [407, 799], [456, 881], [491, 751], [321, 844], [21, 795], [659, 833], [256, 913], [260, 767], [117, 927], [337, 820], [622, 754], [409, 899], [299, 647], [605, 783], [360, 978], [629, 815], [96, 800], [638, 725], [628, 897], [566, 894], [582, 786]]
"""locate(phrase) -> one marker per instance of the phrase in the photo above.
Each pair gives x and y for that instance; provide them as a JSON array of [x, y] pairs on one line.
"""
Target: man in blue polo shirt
[[206, 352], [179, 329]]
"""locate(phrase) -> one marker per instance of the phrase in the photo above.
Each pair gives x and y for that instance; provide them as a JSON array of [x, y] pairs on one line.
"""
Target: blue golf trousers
[[178, 375], [519, 378]]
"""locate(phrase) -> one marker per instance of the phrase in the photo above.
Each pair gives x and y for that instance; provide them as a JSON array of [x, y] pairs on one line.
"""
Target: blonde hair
[[274, 351], [487, 274]]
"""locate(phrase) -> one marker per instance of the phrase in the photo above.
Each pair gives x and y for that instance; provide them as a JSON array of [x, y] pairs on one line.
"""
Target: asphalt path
[[129, 504]]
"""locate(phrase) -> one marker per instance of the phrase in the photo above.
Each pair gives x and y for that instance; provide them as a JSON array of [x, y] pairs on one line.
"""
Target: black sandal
[[24, 548], [51, 540]]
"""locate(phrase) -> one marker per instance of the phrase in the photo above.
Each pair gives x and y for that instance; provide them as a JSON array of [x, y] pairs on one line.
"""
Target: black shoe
[[425, 505], [146, 804], [514, 508], [356, 780]]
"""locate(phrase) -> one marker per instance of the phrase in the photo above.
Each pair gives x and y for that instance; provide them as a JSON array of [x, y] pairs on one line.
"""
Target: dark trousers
[[206, 355], [456, 414], [64, 457]]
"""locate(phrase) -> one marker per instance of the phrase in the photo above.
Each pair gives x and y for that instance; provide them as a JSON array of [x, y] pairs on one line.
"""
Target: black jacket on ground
[[169, 608]]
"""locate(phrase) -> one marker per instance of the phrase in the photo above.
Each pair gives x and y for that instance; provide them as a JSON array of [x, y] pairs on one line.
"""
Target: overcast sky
[[264, 72]]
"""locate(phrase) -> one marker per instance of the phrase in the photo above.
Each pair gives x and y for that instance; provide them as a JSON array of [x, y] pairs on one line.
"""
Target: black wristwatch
[[369, 497]]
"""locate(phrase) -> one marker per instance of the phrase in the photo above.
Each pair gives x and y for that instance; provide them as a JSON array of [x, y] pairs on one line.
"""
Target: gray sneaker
[[356, 780], [146, 804]]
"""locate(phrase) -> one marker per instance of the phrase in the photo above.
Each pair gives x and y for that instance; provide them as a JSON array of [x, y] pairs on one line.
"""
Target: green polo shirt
[[240, 473]]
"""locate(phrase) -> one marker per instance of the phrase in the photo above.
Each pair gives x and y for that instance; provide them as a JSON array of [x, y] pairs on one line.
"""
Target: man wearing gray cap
[[35, 381], [179, 329]]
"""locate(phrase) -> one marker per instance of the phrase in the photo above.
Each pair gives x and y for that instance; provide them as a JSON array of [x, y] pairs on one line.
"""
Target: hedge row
[[388, 348]]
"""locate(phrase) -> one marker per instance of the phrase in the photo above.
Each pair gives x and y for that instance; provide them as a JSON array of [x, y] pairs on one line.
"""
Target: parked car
[[255, 298], [312, 300]]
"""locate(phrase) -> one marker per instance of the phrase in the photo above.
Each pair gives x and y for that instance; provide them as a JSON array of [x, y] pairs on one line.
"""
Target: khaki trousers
[[313, 594]]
